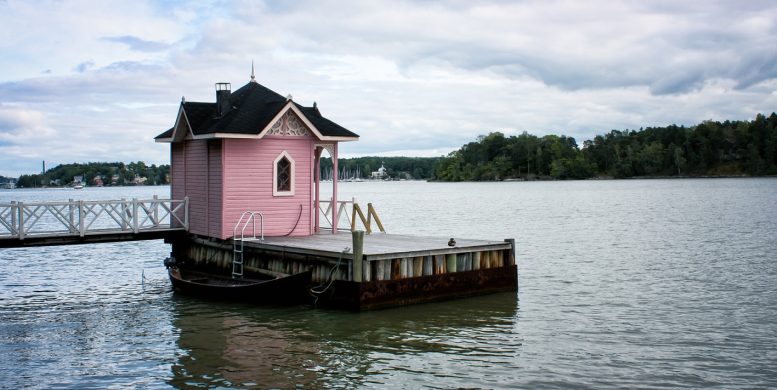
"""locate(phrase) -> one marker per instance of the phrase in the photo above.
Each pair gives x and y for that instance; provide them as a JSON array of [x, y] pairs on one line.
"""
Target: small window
[[283, 175]]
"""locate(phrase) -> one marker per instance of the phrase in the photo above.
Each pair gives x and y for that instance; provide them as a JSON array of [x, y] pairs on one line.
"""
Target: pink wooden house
[[252, 150]]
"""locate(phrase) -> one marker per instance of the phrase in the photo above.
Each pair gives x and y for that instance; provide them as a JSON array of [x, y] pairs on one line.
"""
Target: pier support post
[[451, 263], [358, 250], [511, 257]]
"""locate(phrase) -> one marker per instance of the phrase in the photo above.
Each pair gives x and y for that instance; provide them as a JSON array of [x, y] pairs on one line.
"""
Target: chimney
[[223, 105]]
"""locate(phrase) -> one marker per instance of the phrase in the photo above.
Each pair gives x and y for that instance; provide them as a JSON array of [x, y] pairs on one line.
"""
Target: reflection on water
[[243, 345]]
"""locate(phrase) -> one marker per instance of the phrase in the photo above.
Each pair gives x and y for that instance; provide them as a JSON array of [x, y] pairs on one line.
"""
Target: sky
[[85, 81]]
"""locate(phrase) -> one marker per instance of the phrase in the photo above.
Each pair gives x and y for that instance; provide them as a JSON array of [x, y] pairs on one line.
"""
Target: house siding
[[248, 181], [215, 187]]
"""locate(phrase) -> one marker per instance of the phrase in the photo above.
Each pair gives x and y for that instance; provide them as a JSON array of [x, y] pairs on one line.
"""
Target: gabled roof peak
[[252, 108]]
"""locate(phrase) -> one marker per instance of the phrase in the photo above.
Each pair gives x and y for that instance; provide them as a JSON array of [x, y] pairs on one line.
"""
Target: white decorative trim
[[277, 127], [289, 125], [290, 106], [328, 147], [292, 174], [295, 126]]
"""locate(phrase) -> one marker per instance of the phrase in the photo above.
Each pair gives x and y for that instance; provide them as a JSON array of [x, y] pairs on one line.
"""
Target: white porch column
[[317, 181], [334, 189]]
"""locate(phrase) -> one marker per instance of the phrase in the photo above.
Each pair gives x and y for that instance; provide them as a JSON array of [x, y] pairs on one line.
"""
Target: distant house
[[7, 183], [78, 180], [114, 180], [251, 150], [380, 174], [98, 181]]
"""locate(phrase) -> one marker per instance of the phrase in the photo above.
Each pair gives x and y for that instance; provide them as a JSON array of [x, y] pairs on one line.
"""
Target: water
[[636, 283]]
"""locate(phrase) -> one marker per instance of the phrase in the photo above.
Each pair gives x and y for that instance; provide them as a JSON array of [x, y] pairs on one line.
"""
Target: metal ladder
[[247, 218]]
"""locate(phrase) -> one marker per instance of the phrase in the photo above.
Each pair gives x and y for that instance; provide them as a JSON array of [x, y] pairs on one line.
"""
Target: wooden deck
[[377, 246]]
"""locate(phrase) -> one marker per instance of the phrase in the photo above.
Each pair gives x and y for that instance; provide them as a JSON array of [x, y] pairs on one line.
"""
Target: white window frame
[[292, 175]]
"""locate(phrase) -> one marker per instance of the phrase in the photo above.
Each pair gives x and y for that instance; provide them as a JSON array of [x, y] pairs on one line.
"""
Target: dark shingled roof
[[253, 107]]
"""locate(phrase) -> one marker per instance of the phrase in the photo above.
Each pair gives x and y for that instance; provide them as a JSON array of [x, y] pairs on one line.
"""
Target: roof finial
[[253, 77], [288, 97], [183, 99]]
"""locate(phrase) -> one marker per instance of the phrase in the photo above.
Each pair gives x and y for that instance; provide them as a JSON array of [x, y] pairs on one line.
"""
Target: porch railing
[[325, 210]]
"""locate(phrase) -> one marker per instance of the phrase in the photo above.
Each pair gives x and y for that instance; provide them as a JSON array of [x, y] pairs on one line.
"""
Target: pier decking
[[376, 246]]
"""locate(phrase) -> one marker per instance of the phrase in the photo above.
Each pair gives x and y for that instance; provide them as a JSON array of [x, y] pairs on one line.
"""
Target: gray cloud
[[84, 66]]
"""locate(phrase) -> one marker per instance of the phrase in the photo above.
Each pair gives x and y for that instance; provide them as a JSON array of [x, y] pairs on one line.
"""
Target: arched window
[[283, 175]]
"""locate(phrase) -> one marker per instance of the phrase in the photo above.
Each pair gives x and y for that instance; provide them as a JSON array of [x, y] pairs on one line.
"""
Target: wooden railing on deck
[[325, 208]]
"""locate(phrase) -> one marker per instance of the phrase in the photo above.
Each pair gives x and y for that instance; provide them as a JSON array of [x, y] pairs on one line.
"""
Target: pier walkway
[[24, 224]]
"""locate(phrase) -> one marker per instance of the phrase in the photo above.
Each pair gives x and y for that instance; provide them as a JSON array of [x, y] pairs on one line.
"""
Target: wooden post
[[81, 218], [358, 251], [124, 214], [450, 262], [372, 214], [379, 270], [156, 211], [20, 210], [439, 264], [428, 266], [71, 218], [13, 218], [511, 255], [135, 215], [388, 263], [418, 266], [358, 210], [403, 268], [475, 260], [367, 271]]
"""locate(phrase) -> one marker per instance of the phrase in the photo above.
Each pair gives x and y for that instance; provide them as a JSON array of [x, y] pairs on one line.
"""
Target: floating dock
[[362, 272]]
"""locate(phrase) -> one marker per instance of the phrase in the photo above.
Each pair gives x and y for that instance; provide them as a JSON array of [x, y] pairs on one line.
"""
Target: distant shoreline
[[612, 178]]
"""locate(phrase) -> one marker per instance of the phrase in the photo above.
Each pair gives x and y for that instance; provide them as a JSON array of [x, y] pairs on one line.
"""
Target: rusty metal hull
[[390, 293]]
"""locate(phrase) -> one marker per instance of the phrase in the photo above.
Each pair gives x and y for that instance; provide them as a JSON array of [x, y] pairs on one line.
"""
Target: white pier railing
[[82, 217]]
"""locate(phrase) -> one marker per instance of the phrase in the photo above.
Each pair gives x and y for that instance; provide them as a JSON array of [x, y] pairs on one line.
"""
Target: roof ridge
[[254, 107]]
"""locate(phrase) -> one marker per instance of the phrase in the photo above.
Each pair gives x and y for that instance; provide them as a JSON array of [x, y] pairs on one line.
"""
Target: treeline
[[709, 148], [416, 168], [99, 173]]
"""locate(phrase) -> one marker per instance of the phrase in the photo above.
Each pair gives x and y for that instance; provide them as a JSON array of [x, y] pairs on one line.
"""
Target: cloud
[[84, 66], [138, 44], [415, 77]]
